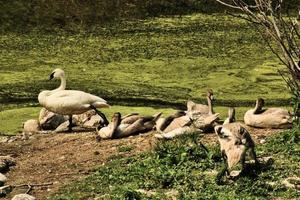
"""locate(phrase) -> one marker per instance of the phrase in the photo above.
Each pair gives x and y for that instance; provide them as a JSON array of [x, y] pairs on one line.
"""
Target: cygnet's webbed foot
[[70, 127], [98, 138]]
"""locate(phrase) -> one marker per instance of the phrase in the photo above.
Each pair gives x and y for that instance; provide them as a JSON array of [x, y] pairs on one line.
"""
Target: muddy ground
[[59, 158]]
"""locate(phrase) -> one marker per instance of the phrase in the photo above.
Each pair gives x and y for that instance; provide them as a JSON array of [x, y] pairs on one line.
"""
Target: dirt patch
[[61, 158]]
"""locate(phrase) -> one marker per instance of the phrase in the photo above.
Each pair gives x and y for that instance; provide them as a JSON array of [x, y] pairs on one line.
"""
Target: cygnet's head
[[57, 73], [116, 117], [260, 102], [231, 114]]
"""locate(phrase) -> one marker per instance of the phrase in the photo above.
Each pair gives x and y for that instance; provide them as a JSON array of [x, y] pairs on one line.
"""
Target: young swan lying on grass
[[184, 123], [197, 118], [55, 122], [267, 118], [117, 129], [201, 108], [203, 116], [176, 124], [234, 141]]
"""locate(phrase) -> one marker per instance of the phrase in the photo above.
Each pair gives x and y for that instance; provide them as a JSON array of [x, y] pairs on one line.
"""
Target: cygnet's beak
[[51, 76]]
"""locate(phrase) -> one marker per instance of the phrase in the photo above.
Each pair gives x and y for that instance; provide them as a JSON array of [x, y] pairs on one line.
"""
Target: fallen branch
[[31, 186], [4, 190]]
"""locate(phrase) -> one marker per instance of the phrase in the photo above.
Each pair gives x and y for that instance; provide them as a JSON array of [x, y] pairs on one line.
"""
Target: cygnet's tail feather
[[212, 118], [153, 118], [157, 116], [129, 115]]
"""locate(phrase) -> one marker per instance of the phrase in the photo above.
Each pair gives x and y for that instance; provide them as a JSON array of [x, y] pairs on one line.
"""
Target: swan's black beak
[[51, 76]]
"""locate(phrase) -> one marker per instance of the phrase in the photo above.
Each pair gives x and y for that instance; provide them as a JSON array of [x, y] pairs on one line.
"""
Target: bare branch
[[228, 5], [243, 17], [33, 185]]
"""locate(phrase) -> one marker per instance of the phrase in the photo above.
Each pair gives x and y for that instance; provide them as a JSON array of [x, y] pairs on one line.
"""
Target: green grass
[[158, 61], [184, 166], [125, 148], [11, 121]]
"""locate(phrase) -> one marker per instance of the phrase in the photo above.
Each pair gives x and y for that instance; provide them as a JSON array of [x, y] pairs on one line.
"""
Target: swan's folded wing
[[72, 101], [76, 94], [75, 97]]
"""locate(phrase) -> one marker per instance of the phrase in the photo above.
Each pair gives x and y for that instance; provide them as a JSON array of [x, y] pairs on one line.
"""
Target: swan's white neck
[[44, 94], [63, 84], [210, 106]]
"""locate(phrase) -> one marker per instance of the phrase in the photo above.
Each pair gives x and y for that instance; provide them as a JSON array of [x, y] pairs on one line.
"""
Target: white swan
[[70, 102]]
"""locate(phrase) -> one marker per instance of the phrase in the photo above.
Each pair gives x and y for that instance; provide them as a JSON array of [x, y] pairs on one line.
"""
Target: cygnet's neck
[[231, 116], [210, 106], [257, 108]]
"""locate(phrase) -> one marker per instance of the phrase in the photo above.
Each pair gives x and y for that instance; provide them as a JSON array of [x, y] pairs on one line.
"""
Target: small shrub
[[125, 148]]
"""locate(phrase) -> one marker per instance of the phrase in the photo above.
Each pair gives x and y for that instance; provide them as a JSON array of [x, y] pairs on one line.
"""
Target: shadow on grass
[[253, 170]]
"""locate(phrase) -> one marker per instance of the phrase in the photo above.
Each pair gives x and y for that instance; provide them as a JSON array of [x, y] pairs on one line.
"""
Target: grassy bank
[[11, 120], [182, 168], [155, 61]]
